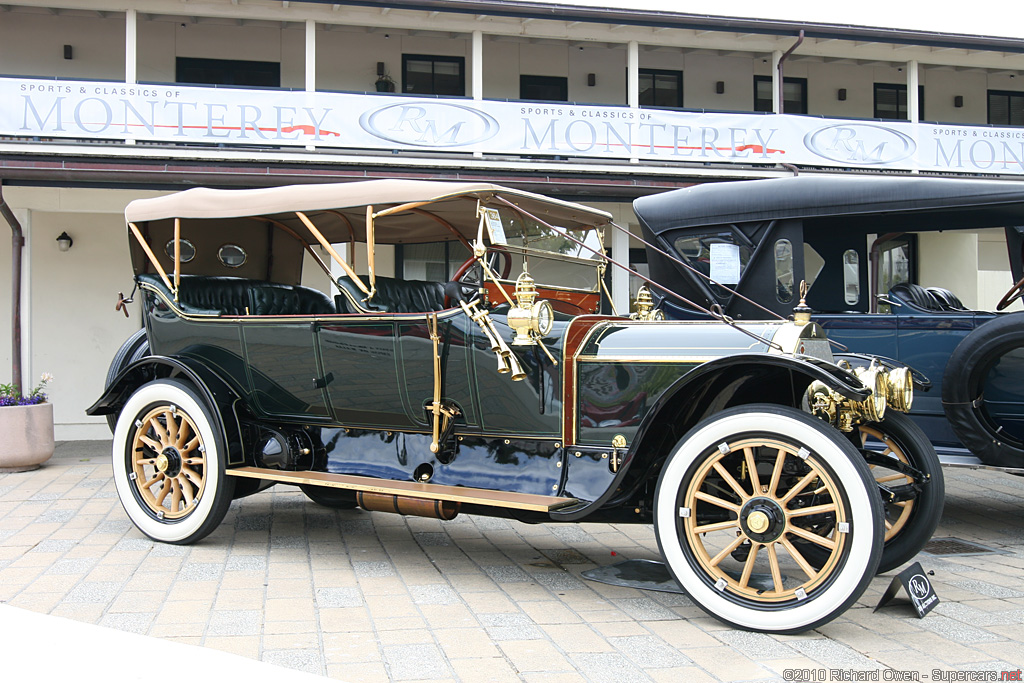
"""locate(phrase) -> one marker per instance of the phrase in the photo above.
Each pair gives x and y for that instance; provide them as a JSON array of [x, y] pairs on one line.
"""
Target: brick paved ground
[[374, 597]]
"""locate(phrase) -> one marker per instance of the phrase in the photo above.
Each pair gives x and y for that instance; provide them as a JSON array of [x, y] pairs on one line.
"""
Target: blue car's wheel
[[973, 374]]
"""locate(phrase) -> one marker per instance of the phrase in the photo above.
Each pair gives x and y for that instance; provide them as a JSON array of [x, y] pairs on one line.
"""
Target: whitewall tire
[[168, 462], [737, 497]]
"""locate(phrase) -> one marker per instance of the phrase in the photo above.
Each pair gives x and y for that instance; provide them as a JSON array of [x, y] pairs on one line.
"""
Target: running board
[[459, 494]]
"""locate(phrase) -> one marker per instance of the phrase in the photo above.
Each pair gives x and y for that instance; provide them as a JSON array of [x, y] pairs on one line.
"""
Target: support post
[[17, 245]]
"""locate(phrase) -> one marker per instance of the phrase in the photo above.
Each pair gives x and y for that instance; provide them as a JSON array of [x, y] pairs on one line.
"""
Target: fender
[[803, 370], [219, 395]]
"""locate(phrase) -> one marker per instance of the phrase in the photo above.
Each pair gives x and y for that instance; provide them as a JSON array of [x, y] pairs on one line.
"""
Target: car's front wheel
[[168, 462], [738, 496], [910, 523]]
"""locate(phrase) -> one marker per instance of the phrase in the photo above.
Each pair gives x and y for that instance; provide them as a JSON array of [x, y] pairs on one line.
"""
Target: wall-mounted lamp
[[386, 36], [841, 95], [958, 101], [720, 87], [68, 52], [64, 241], [591, 80], [899, 69]]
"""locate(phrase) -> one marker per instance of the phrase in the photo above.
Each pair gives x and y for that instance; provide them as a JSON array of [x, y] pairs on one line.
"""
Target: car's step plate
[[460, 494]]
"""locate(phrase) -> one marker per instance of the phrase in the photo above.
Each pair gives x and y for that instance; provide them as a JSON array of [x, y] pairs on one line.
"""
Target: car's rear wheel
[[909, 524], [736, 494], [168, 462], [134, 348]]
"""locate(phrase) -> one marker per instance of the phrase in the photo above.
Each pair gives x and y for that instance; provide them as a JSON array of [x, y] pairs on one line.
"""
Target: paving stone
[[235, 622], [309, 661], [415, 662], [986, 588], [200, 571], [245, 563], [373, 569], [338, 597], [645, 609], [439, 594], [93, 592], [606, 667], [508, 573]]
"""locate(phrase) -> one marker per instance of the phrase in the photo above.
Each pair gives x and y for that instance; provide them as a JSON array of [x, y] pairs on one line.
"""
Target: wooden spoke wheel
[[169, 465], [739, 498], [909, 524], [168, 461]]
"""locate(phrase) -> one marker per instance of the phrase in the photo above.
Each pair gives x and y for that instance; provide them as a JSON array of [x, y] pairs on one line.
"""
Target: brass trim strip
[[461, 494], [152, 257], [648, 359], [177, 256], [330, 250]]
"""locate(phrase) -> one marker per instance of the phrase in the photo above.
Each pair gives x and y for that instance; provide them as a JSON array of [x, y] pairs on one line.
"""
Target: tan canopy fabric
[[338, 209]]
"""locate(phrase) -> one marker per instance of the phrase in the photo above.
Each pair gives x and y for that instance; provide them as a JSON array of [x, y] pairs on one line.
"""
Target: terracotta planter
[[27, 436]]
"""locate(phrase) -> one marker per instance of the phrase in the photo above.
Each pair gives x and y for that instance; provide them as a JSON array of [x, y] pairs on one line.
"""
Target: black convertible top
[[842, 196]]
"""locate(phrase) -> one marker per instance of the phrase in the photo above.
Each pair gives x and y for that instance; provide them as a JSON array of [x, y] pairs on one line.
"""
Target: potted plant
[[26, 422], [385, 83]]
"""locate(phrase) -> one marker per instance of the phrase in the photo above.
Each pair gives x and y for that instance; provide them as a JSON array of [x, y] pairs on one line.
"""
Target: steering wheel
[[1015, 293], [467, 280]]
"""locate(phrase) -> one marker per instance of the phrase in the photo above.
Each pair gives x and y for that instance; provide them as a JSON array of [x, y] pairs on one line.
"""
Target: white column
[[310, 65], [130, 49], [130, 43], [476, 66], [632, 85], [476, 70], [620, 278], [776, 85], [913, 81]]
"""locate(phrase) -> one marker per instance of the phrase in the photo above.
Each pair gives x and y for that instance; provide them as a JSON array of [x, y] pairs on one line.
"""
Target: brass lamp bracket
[[530, 318], [444, 412]]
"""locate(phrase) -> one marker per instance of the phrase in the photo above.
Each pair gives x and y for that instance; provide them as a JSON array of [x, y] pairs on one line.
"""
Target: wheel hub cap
[[169, 462], [762, 520]]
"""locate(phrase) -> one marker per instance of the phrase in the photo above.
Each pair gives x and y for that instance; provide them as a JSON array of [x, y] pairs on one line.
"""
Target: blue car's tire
[[963, 391]]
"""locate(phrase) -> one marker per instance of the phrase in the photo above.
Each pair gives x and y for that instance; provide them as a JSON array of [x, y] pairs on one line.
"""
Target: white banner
[[169, 113]]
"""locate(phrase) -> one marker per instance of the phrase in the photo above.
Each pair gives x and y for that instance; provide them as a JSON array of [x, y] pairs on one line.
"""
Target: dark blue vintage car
[[745, 245], [500, 392]]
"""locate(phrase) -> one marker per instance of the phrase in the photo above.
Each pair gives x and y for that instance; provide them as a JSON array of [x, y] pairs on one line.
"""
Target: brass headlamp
[[531, 319], [890, 390], [644, 304]]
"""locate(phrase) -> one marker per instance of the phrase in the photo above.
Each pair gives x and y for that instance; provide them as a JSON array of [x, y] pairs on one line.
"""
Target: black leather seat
[[917, 296], [947, 299], [393, 296], [205, 295]]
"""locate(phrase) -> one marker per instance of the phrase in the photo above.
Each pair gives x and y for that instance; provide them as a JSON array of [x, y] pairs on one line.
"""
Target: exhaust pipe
[[405, 505]]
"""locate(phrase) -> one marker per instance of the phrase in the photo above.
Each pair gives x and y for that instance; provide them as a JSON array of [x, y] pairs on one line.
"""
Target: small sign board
[[725, 263], [494, 226], [915, 581]]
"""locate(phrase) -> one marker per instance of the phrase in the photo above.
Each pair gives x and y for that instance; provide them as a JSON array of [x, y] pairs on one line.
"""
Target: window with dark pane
[[544, 88], [891, 101], [794, 94], [227, 72], [661, 88], [1005, 108], [433, 75]]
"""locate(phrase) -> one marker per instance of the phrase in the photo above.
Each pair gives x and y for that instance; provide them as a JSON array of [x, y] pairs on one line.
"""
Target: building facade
[[105, 102]]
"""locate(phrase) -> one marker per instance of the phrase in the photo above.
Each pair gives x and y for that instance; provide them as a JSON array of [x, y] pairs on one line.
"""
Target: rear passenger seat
[[393, 296], [231, 296]]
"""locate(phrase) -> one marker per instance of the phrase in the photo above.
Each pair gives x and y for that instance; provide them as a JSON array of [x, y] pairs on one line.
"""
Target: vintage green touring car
[[502, 390]]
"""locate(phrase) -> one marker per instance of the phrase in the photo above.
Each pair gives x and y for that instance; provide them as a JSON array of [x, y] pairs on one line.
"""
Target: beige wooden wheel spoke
[[896, 514], [191, 445], [813, 510], [804, 565], [162, 494], [755, 481], [185, 486], [727, 550], [151, 443], [780, 459], [717, 526], [183, 433], [811, 536], [160, 431], [708, 498], [193, 477], [798, 487], [748, 566], [773, 562], [152, 482], [891, 477], [733, 484], [172, 427]]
